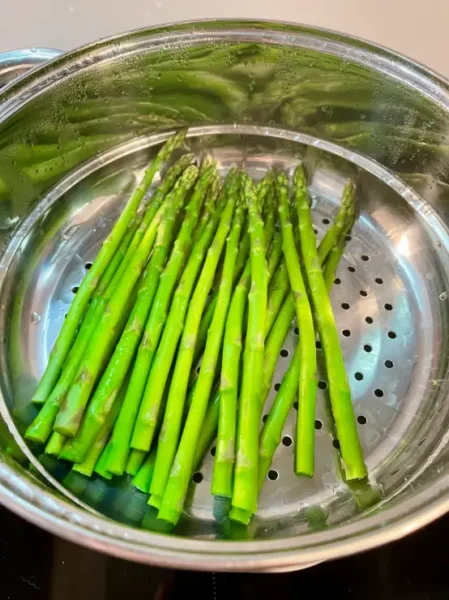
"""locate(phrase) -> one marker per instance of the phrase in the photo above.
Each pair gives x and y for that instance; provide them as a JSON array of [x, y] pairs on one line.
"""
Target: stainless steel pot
[[74, 135]]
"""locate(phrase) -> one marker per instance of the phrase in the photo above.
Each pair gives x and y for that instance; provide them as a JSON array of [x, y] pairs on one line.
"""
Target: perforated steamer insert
[[389, 298]]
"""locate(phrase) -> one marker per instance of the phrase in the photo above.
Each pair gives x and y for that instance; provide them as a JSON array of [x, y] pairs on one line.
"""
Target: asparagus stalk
[[224, 457], [149, 409], [121, 436], [177, 479], [55, 444], [134, 462], [271, 433], [67, 334], [100, 467], [305, 430], [274, 256], [333, 259], [264, 189], [339, 391], [274, 341], [282, 318], [244, 494], [211, 194], [41, 428], [208, 315], [277, 292], [111, 276], [172, 175], [142, 480], [333, 234], [87, 466], [284, 315], [69, 417], [225, 451], [123, 354], [209, 430]]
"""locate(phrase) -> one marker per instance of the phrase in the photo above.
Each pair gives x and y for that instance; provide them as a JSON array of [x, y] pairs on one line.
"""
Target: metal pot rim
[[62, 518]]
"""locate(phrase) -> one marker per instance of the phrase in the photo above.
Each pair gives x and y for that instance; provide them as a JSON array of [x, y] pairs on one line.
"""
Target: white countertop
[[416, 28]]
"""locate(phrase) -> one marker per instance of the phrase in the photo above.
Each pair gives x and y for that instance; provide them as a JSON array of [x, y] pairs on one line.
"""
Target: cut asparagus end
[[240, 515]]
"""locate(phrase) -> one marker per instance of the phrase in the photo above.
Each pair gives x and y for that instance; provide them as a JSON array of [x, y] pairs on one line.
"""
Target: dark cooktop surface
[[38, 566]]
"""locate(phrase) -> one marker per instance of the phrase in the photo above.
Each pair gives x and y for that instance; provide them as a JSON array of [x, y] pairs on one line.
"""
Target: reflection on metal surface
[[261, 94], [17, 62]]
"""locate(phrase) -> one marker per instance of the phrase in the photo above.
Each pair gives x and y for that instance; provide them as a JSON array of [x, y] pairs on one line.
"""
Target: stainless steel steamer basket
[[74, 137]]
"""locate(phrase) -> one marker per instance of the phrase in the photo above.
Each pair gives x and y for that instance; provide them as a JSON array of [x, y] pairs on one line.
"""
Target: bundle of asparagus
[[201, 274]]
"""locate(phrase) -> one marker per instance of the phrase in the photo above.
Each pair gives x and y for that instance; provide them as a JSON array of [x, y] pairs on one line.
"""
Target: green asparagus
[[121, 436], [172, 484], [339, 391], [71, 412], [149, 409], [244, 494], [142, 480], [271, 433], [225, 457], [134, 462], [333, 233], [90, 282], [123, 354], [308, 384], [41, 428], [87, 466], [55, 444]]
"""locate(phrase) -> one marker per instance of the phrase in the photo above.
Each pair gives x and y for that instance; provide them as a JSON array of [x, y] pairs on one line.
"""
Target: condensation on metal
[[386, 299]]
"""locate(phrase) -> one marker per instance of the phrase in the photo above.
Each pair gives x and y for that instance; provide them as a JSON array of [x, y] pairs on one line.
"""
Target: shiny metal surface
[[258, 94], [17, 62]]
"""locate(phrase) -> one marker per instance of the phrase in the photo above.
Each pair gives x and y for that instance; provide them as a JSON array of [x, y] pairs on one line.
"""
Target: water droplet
[[35, 318], [443, 296]]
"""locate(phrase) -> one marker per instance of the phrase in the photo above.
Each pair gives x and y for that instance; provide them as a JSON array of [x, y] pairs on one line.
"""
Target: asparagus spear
[[272, 430], [121, 436], [179, 476], [305, 430], [274, 342], [274, 256], [282, 317], [333, 233], [244, 494], [86, 467], [123, 354], [336, 253], [172, 175], [208, 315], [149, 409], [111, 275], [339, 392], [277, 292], [211, 193], [55, 444], [271, 433], [69, 417], [264, 189], [100, 467], [134, 462], [225, 451], [41, 428], [90, 282], [142, 480]]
